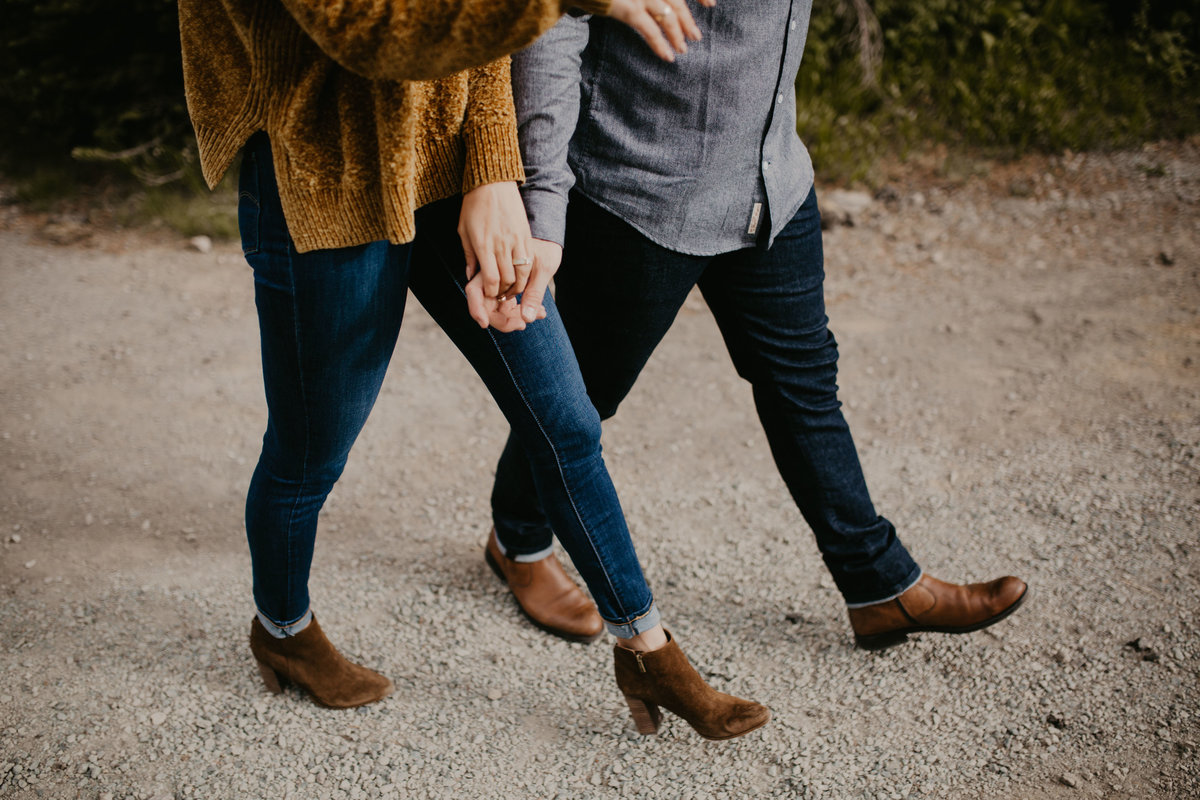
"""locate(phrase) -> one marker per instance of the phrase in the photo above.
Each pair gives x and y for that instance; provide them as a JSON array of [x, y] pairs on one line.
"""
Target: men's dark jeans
[[618, 293], [329, 319]]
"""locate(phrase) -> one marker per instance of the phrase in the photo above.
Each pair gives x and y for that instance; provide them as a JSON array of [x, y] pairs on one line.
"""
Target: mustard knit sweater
[[374, 107]]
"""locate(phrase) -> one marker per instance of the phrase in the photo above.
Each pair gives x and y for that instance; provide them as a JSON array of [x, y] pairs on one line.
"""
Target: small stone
[[841, 207], [201, 244], [1069, 779], [29, 564], [15, 538], [1020, 187], [494, 694], [64, 232], [158, 718]]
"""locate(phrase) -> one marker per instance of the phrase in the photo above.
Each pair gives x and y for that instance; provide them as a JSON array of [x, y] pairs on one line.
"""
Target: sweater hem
[[218, 148], [336, 217]]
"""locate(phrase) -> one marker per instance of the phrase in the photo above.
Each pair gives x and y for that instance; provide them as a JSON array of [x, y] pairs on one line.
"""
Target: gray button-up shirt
[[698, 155]]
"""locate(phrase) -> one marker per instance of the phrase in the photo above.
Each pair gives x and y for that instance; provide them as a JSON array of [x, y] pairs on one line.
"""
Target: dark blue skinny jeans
[[618, 293], [328, 321]]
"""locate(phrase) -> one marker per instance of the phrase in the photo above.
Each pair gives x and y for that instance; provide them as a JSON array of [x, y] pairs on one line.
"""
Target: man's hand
[[666, 25], [502, 314], [547, 256], [495, 239]]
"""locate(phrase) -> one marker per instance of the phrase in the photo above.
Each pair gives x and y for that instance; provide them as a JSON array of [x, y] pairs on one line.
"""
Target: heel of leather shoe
[[491, 562], [881, 641], [646, 716], [270, 678]]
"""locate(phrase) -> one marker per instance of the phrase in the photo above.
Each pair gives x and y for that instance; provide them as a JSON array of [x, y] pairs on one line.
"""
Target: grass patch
[[999, 77], [107, 195], [188, 212]]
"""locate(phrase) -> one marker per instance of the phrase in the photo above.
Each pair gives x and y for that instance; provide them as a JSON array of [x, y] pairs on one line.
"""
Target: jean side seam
[[307, 419], [554, 450]]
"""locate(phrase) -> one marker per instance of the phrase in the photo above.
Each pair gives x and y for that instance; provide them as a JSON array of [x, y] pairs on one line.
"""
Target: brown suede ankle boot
[[312, 663], [664, 677]]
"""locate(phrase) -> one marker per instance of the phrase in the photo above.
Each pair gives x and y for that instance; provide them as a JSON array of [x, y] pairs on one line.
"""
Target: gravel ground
[[1019, 362]]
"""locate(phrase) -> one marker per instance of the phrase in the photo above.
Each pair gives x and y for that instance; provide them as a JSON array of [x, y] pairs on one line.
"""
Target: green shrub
[[104, 75], [102, 80], [1008, 75]]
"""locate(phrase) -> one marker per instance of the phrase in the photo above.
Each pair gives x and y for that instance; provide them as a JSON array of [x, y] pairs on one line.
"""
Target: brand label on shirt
[[755, 213]]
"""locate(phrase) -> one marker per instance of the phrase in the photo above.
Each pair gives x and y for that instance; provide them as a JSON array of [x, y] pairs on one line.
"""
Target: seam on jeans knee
[[553, 449]]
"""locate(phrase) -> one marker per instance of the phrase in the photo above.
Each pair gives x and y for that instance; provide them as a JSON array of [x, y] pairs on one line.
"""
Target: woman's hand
[[666, 25], [495, 240]]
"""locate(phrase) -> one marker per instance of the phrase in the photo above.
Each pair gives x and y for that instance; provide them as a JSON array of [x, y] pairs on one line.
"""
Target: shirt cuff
[[547, 212]]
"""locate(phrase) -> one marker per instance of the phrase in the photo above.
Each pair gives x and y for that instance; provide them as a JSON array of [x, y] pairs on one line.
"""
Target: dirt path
[[1021, 367]]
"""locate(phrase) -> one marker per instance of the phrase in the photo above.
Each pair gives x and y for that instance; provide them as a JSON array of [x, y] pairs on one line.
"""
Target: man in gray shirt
[[691, 173]]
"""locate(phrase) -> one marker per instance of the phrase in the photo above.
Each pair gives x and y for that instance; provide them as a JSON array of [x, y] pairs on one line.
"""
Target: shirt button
[[765, 165], [779, 97], [793, 25]]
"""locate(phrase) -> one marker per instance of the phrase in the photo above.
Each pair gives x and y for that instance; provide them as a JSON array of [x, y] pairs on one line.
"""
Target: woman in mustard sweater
[[380, 155]]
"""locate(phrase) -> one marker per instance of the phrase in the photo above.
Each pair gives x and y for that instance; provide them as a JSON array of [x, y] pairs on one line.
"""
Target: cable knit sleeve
[[426, 39]]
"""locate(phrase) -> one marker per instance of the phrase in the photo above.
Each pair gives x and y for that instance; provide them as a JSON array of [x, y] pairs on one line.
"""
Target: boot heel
[[646, 716], [270, 678], [881, 641]]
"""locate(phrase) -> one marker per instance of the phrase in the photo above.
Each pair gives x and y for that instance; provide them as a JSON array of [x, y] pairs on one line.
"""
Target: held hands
[[502, 260], [495, 235], [666, 25]]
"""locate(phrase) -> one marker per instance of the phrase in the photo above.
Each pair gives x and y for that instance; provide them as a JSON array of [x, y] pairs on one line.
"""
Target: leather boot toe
[[310, 661], [546, 595], [936, 606], [666, 678]]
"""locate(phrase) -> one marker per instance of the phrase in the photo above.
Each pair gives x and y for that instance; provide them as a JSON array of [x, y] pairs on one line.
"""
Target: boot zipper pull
[[641, 666]]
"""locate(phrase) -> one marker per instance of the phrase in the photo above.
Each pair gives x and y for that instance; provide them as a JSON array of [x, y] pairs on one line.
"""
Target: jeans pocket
[[249, 208]]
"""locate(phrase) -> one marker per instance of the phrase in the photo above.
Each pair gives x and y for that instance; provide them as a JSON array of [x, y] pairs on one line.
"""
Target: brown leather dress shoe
[[311, 662], [546, 596], [936, 606]]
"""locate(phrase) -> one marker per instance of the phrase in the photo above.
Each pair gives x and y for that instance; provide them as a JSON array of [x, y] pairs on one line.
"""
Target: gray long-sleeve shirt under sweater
[[699, 155]]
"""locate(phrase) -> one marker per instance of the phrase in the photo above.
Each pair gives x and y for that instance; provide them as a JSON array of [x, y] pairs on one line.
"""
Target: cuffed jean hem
[[284, 630], [525, 541], [524, 558], [635, 626], [907, 584]]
